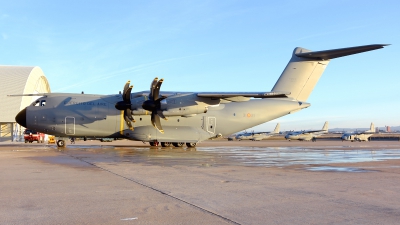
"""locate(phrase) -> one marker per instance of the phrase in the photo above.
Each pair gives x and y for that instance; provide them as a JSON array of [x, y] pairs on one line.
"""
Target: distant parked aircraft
[[259, 135], [359, 136], [307, 135]]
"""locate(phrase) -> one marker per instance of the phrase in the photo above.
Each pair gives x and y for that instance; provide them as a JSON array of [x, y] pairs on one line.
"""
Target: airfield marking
[[155, 189]]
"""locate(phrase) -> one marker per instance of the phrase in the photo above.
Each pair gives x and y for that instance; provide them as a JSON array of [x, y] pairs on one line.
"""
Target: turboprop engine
[[159, 106]]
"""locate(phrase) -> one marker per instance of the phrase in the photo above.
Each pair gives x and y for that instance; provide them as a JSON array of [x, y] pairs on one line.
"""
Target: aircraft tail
[[325, 127], [277, 129], [306, 67], [371, 129]]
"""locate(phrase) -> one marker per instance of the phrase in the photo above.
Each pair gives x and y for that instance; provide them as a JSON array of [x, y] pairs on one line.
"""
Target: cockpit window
[[36, 103], [39, 103]]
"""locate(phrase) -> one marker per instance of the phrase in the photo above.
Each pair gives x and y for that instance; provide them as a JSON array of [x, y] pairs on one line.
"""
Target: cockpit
[[39, 102]]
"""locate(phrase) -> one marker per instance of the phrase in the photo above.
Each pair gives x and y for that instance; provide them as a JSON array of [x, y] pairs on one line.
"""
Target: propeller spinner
[[153, 104], [126, 105]]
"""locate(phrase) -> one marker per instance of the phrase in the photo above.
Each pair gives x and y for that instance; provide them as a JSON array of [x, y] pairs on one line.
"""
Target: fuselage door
[[69, 125], [211, 124]]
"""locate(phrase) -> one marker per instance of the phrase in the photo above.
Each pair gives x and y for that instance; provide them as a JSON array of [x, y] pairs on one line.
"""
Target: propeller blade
[[125, 89], [152, 86], [127, 95], [155, 120], [156, 90], [129, 115], [128, 122], [161, 115]]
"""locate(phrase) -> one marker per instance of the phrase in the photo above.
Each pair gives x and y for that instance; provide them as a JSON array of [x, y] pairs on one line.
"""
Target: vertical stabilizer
[[300, 76], [306, 67], [371, 128], [277, 129], [325, 127]]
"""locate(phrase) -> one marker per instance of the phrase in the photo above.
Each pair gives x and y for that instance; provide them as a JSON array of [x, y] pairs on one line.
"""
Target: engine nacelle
[[187, 104], [183, 111]]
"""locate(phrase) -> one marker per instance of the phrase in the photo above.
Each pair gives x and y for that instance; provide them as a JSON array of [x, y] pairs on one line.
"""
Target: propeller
[[126, 105], [153, 104]]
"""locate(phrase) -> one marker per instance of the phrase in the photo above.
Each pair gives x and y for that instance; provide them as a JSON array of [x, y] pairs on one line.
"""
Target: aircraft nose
[[21, 118]]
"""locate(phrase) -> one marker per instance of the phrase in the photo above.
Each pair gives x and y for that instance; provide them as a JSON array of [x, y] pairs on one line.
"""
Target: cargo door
[[69, 125], [211, 124]]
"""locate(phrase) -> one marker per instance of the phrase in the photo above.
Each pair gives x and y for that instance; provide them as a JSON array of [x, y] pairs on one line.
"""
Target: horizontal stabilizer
[[336, 53]]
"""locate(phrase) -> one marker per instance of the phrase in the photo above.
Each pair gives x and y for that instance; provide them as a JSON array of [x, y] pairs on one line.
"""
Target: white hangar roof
[[17, 80]]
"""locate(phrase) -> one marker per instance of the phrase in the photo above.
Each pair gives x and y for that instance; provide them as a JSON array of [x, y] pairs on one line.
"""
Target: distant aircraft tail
[[277, 129], [325, 127], [371, 129], [306, 67]]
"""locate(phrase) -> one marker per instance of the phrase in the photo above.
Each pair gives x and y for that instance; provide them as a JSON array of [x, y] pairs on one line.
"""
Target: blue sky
[[96, 46]]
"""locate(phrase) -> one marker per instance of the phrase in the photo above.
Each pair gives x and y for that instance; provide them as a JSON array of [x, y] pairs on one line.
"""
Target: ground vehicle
[[32, 135], [51, 140]]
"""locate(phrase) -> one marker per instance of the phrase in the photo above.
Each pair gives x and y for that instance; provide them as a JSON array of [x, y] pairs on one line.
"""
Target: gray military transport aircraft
[[258, 136], [359, 135], [307, 135], [188, 117]]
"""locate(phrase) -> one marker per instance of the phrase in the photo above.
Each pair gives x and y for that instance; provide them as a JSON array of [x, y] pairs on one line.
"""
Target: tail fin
[[306, 67], [325, 127], [371, 128], [277, 129]]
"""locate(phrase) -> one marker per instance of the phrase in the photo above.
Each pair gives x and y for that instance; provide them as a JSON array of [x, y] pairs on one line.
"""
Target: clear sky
[[96, 46]]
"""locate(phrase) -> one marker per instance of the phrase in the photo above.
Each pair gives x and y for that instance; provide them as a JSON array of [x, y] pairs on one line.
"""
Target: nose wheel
[[61, 143]]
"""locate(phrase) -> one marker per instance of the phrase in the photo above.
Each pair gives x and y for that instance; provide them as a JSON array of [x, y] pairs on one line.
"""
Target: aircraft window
[[43, 103], [36, 103]]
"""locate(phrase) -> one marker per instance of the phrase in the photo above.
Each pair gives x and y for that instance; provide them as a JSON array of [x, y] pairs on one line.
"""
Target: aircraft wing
[[313, 131], [243, 94]]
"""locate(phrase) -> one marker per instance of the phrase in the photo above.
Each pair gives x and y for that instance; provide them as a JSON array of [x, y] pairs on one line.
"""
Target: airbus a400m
[[175, 118]]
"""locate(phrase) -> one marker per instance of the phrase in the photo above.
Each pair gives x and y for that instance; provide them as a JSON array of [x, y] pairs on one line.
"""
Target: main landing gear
[[175, 144]]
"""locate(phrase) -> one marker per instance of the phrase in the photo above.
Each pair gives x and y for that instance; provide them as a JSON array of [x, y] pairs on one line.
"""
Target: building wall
[[18, 80]]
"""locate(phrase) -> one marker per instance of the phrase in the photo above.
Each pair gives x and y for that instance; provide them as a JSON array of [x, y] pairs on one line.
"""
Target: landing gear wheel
[[61, 143], [154, 143], [166, 144], [191, 145], [178, 144]]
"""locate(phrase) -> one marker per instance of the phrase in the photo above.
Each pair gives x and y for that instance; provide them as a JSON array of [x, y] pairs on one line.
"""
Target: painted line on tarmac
[[157, 190]]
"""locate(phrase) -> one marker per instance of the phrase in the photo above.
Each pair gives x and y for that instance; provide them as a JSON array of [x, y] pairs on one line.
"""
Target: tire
[[178, 144], [191, 145], [166, 144], [26, 141], [151, 143], [61, 143]]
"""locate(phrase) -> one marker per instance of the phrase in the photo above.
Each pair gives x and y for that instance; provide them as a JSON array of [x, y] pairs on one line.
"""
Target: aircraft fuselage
[[82, 115]]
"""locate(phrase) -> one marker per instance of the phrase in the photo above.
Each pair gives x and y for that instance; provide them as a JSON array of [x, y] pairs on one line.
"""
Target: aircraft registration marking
[[86, 103]]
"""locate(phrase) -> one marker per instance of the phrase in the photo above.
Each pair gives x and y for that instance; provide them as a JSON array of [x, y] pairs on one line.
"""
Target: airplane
[[187, 117], [359, 136], [259, 135], [307, 135]]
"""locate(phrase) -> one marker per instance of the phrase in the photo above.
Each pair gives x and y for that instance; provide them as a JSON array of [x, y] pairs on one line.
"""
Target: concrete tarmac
[[218, 182]]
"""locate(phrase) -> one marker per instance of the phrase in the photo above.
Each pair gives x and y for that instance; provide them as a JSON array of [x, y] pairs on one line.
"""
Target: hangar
[[18, 80]]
